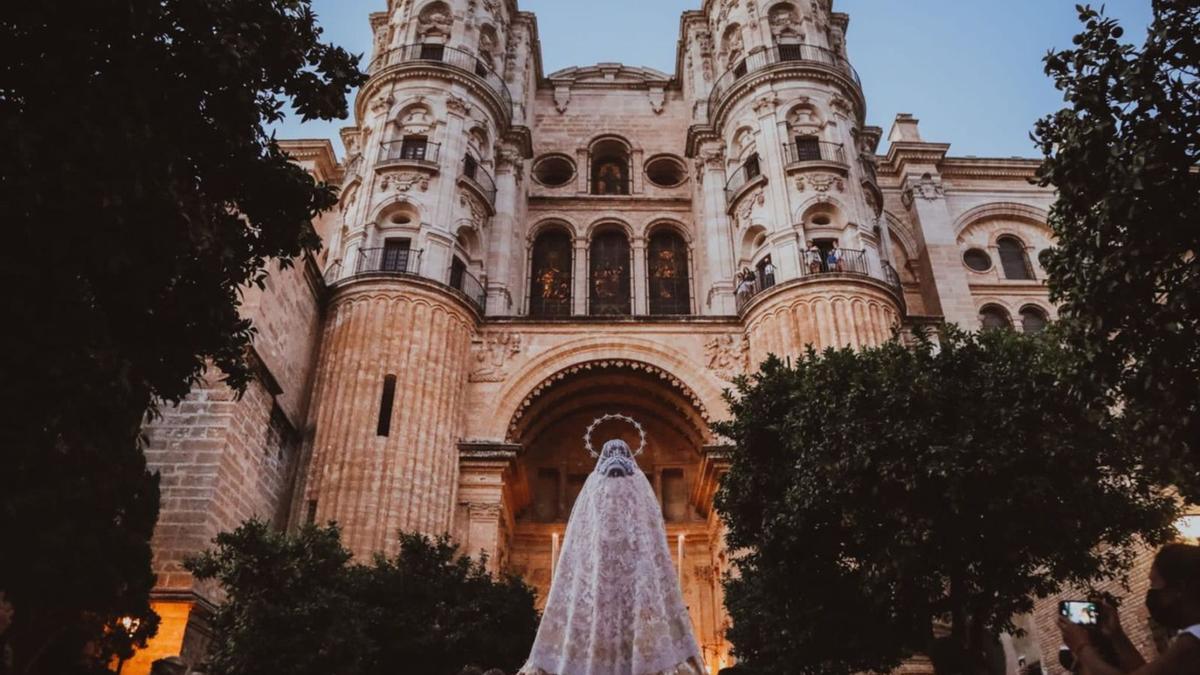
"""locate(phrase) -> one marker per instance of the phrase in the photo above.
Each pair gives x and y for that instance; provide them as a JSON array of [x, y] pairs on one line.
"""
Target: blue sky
[[970, 70]]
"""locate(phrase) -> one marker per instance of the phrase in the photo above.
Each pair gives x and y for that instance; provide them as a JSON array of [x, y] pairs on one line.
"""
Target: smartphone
[[1080, 611]]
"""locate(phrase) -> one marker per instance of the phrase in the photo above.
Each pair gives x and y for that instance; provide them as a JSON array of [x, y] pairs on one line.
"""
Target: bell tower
[[787, 173]]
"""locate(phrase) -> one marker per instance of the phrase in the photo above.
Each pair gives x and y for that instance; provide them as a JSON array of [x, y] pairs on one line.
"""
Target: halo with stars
[[587, 436]]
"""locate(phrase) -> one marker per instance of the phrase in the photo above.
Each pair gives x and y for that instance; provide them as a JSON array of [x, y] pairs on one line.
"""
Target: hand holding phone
[[1081, 612]]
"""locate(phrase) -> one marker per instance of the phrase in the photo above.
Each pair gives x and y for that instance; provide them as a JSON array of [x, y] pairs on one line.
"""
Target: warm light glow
[[1188, 527], [130, 624]]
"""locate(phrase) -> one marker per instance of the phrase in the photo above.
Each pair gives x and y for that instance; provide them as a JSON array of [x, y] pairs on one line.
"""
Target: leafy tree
[[297, 605], [1123, 155], [875, 492], [141, 193]]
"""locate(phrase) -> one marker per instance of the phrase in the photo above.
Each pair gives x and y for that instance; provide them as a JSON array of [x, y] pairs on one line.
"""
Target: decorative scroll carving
[[457, 105], [382, 103], [493, 353], [562, 97], [658, 99], [765, 104], [927, 188], [404, 181], [820, 182]]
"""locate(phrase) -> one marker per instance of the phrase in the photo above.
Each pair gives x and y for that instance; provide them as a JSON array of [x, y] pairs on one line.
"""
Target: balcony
[[805, 152], [408, 151], [771, 56], [847, 263], [477, 177], [457, 59], [407, 262], [749, 173]]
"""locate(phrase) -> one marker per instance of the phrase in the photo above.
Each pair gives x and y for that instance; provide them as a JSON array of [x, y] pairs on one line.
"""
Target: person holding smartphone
[[1173, 601]]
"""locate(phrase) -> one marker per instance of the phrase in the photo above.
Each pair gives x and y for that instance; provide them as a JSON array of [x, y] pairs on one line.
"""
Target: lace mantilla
[[615, 607]]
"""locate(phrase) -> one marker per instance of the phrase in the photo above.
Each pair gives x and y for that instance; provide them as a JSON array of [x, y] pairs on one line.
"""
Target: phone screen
[[1079, 611]]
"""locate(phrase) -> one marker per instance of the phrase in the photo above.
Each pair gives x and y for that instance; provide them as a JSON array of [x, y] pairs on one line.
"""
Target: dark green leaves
[[873, 492], [1122, 157], [298, 605]]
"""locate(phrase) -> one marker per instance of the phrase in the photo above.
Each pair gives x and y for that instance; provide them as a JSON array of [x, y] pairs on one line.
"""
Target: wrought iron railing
[[813, 151], [467, 284], [478, 175], [748, 171], [450, 56], [401, 261], [769, 56], [817, 263], [408, 150], [389, 260]]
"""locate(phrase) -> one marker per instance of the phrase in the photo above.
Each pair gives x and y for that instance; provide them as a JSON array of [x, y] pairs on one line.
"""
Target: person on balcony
[[814, 257], [768, 273], [833, 261]]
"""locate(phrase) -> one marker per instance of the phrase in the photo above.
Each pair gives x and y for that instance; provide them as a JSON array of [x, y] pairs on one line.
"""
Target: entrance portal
[[553, 465]]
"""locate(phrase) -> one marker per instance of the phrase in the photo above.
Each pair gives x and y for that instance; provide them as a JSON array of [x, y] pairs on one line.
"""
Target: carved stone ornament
[[492, 355], [658, 99], [404, 181], [435, 24], [469, 202], [820, 182], [765, 104], [562, 98], [927, 188], [382, 103], [457, 105], [842, 106], [727, 355]]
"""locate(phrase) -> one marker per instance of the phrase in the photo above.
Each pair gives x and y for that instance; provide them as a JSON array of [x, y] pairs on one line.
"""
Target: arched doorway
[[552, 465]]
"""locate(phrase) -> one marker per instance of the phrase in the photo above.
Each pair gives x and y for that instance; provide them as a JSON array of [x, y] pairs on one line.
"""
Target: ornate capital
[[456, 105]]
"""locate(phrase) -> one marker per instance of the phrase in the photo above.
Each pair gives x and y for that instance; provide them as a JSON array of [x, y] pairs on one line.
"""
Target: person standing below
[[1173, 602]]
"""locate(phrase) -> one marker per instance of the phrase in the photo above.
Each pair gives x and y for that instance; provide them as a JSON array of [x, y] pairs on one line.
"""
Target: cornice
[[902, 153], [784, 71], [413, 69]]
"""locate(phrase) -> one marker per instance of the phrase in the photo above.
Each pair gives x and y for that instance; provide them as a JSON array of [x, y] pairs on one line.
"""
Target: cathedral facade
[[516, 253]]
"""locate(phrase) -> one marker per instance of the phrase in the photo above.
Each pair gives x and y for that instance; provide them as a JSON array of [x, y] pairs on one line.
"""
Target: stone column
[[501, 282], [637, 282], [579, 279], [917, 163], [484, 507], [717, 275], [454, 148]]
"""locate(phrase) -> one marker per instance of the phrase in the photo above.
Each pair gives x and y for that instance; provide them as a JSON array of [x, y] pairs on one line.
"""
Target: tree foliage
[[141, 193], [1123, 158], [297, 605], [875, 492]]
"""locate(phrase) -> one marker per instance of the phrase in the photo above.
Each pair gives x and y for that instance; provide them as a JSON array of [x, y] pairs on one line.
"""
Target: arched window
[[550, 276], [992, 317], [667, 269], [609, 270], [1033, 320], [1013, 259], [610, 168]]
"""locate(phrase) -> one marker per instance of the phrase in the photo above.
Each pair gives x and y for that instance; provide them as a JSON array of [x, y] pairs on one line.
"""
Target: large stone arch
[[1014, 210], [691, 377]]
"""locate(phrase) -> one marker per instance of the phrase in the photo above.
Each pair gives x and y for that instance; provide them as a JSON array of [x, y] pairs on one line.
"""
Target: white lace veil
[[615, 607]]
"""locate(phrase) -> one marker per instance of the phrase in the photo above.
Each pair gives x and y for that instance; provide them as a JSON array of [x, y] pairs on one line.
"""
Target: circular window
[[978, 259], [666, 171], [554, 171]]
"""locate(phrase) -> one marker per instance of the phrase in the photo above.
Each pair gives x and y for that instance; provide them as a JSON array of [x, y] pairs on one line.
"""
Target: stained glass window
[[667, 267], [550, 278], [1012, 258], [609, 282]]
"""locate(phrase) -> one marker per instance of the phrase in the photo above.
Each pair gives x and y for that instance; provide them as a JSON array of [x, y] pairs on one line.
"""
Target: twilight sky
[[970, 70]]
